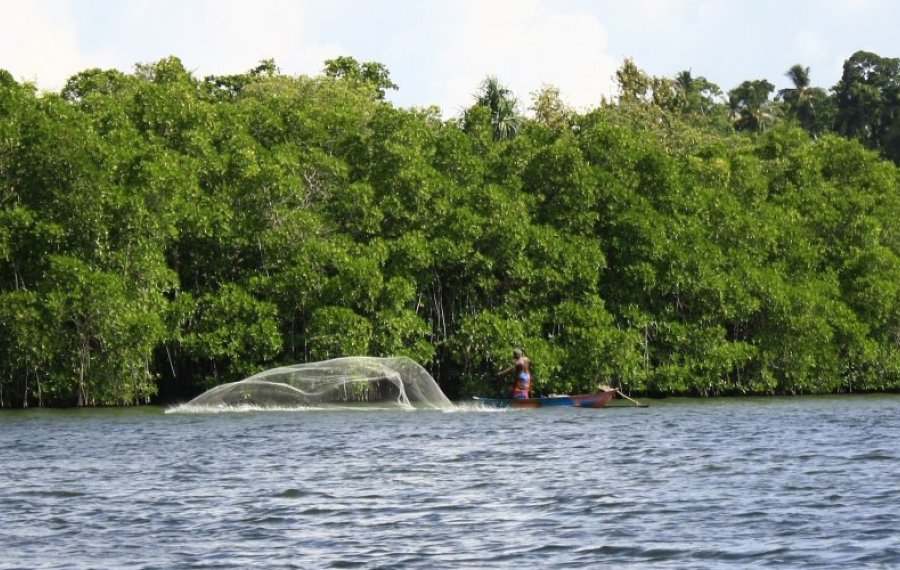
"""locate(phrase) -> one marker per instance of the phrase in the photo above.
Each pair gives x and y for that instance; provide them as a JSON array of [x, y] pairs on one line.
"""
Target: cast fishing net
[[395, 382]]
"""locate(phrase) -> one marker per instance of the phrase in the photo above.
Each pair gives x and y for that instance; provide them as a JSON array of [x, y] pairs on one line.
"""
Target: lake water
[[786, 483]]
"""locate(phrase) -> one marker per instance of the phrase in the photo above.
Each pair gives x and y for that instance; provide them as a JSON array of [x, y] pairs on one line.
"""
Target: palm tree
[[502, 104], [697, 94], [684, 82], [751, 109], [800, 97]]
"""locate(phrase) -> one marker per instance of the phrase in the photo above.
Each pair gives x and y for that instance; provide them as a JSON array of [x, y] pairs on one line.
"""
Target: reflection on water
[[806, 482]]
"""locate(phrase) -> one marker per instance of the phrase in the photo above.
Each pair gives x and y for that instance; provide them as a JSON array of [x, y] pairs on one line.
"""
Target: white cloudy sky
[[438, 51]]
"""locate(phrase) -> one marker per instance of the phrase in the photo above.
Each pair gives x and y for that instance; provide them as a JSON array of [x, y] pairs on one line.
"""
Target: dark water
[[788, 483]]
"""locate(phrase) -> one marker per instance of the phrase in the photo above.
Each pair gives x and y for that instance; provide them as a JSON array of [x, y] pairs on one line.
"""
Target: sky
[[439, 51]]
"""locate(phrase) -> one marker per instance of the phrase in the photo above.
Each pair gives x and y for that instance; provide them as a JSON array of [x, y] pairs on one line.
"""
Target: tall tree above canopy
[[809, 105], [868, 102], [694, 98], [549, 108], [750, 105], [697, 95], [634, 83], [503, 107], [797, 97], [229, 86], [166, 70], [370, 72]]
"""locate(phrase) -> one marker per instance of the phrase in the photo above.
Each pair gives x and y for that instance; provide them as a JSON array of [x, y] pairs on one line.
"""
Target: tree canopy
[[162, 233]]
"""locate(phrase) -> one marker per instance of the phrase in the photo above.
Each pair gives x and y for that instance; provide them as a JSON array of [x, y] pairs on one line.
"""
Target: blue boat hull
[[597, 400]]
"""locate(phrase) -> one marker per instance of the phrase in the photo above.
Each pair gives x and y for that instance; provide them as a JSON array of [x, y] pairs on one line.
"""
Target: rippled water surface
[[789, 483]]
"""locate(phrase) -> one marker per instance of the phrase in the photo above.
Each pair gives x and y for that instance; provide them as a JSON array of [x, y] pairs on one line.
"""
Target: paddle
[[619, 392], [636, 403]]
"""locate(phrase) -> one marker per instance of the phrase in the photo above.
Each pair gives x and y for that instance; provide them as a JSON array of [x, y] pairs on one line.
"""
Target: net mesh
[[396, 382]]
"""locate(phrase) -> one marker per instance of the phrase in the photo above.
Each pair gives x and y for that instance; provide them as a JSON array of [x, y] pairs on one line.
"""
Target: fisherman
[[522, 367]]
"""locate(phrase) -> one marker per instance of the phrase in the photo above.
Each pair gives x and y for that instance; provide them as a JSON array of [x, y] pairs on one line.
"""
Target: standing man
[[522, 367]]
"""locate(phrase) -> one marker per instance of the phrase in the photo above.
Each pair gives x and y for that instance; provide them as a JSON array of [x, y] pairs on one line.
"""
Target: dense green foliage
[[161, 233]]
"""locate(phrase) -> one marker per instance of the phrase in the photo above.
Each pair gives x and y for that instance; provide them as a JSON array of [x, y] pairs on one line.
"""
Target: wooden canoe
[[596, 400]]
